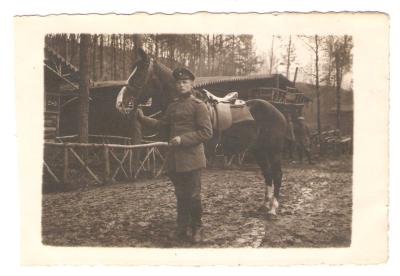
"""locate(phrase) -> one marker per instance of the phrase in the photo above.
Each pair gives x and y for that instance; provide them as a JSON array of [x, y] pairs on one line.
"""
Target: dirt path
[[315, 211]]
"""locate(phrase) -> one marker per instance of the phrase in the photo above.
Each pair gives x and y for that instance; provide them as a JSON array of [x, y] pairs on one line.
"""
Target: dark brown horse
[[264, 137]]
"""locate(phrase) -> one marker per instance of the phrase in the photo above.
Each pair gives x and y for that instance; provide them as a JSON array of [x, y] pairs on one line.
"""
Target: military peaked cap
[[181, 73]]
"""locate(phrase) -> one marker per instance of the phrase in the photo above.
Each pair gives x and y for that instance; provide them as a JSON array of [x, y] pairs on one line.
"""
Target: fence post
[[106, 178], [154, 161], [130, 163], [66, 164]]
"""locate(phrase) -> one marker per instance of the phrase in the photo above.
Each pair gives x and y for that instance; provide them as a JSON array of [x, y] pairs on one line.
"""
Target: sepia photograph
[[207, 139]]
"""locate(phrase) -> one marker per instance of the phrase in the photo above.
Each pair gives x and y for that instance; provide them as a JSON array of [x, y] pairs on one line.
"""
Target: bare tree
[[114, 56], [289, 55], [208, 54], [317, 85], [271, 56], [313, 43], [101, 59], [328, 66], [233, 55], [136, 128], [155, 38], [213, 55], [84, 64], [343, 59], [94, 57], [137, 42], [123, 56], [73, 51]]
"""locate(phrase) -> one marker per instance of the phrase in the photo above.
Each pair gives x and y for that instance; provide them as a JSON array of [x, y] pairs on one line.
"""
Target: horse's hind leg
[[263, 163], [276, 171]]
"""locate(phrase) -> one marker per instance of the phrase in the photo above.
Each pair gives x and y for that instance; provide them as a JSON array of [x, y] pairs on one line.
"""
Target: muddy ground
[[315, 210]]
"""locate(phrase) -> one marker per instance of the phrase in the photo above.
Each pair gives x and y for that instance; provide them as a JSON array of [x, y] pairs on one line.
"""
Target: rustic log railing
[[106, 159], [115, 160], [103, 139]]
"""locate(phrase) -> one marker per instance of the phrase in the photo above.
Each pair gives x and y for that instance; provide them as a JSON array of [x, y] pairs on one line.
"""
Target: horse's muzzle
[[122, 104]]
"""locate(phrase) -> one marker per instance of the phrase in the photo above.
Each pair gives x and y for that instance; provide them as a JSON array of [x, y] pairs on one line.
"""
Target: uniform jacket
[[301, 132], [188, 118], [289, 130]]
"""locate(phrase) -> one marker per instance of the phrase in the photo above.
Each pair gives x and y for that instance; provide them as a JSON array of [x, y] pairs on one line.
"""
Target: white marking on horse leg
[[269, 193], [274, 204]]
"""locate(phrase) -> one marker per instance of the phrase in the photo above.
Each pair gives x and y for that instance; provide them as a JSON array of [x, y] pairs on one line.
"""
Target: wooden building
[[57, 74], [104, 119], [62, 91]]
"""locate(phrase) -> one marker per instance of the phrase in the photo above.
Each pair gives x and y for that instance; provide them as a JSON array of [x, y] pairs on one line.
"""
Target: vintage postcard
[[203, 139]]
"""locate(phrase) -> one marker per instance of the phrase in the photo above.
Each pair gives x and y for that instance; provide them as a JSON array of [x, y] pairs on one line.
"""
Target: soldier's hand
[[139, 114], [176, 141]]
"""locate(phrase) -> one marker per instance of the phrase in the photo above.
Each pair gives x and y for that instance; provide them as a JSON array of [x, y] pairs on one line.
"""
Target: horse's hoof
[[262, 209], [272, 216]]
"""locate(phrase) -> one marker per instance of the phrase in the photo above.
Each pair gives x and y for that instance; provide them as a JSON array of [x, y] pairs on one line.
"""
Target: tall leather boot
[[197, 234], [308, 153]]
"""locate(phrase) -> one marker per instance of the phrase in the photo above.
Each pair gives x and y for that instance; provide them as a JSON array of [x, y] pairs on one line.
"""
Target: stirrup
[[218, 150]]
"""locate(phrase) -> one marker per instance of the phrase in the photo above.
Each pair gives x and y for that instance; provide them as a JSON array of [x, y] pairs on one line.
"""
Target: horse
[[263, 137]]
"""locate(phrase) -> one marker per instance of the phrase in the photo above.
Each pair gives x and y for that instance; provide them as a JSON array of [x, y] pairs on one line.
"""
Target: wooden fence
[[107, 159], [332, 141], [103, 163]]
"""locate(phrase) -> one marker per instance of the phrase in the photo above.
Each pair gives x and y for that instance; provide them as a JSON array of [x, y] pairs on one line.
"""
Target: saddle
[[231, 97], [227, 110]]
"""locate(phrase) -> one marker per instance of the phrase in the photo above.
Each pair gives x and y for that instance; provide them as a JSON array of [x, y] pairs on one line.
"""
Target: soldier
[[302, 136], [189, 127], [289, 139]]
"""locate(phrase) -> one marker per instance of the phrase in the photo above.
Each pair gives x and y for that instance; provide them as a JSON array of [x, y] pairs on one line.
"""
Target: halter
[[139, 87]]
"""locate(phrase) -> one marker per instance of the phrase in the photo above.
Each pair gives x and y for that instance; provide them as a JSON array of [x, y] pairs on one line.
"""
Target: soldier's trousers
[[304, 147], [188, 195]]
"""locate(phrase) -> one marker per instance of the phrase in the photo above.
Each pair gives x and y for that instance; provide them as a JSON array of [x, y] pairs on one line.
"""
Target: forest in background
[[326, 60], [112, 55]]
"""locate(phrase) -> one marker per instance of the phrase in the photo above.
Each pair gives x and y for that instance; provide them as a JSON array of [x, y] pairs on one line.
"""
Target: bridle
[[136, 88]]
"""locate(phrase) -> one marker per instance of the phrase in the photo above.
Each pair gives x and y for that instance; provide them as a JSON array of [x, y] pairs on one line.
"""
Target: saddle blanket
[[226, 114]]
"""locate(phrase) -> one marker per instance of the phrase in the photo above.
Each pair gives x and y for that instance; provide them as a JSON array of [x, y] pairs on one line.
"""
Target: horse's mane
[[166, 81]]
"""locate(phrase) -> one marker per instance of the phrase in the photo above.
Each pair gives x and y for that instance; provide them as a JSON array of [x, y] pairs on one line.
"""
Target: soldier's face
[[184, 86]]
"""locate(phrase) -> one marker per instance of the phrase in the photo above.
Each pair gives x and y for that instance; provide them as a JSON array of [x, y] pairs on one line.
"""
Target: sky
[[305, 58]]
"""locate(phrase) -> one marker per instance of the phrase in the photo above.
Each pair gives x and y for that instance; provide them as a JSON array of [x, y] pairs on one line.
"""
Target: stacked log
[[50, 125]]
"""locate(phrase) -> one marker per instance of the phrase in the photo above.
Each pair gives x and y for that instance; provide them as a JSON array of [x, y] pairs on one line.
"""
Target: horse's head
[[137, 88]]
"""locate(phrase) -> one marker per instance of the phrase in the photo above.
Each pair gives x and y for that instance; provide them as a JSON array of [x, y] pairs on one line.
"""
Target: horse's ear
[[142, 54]]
